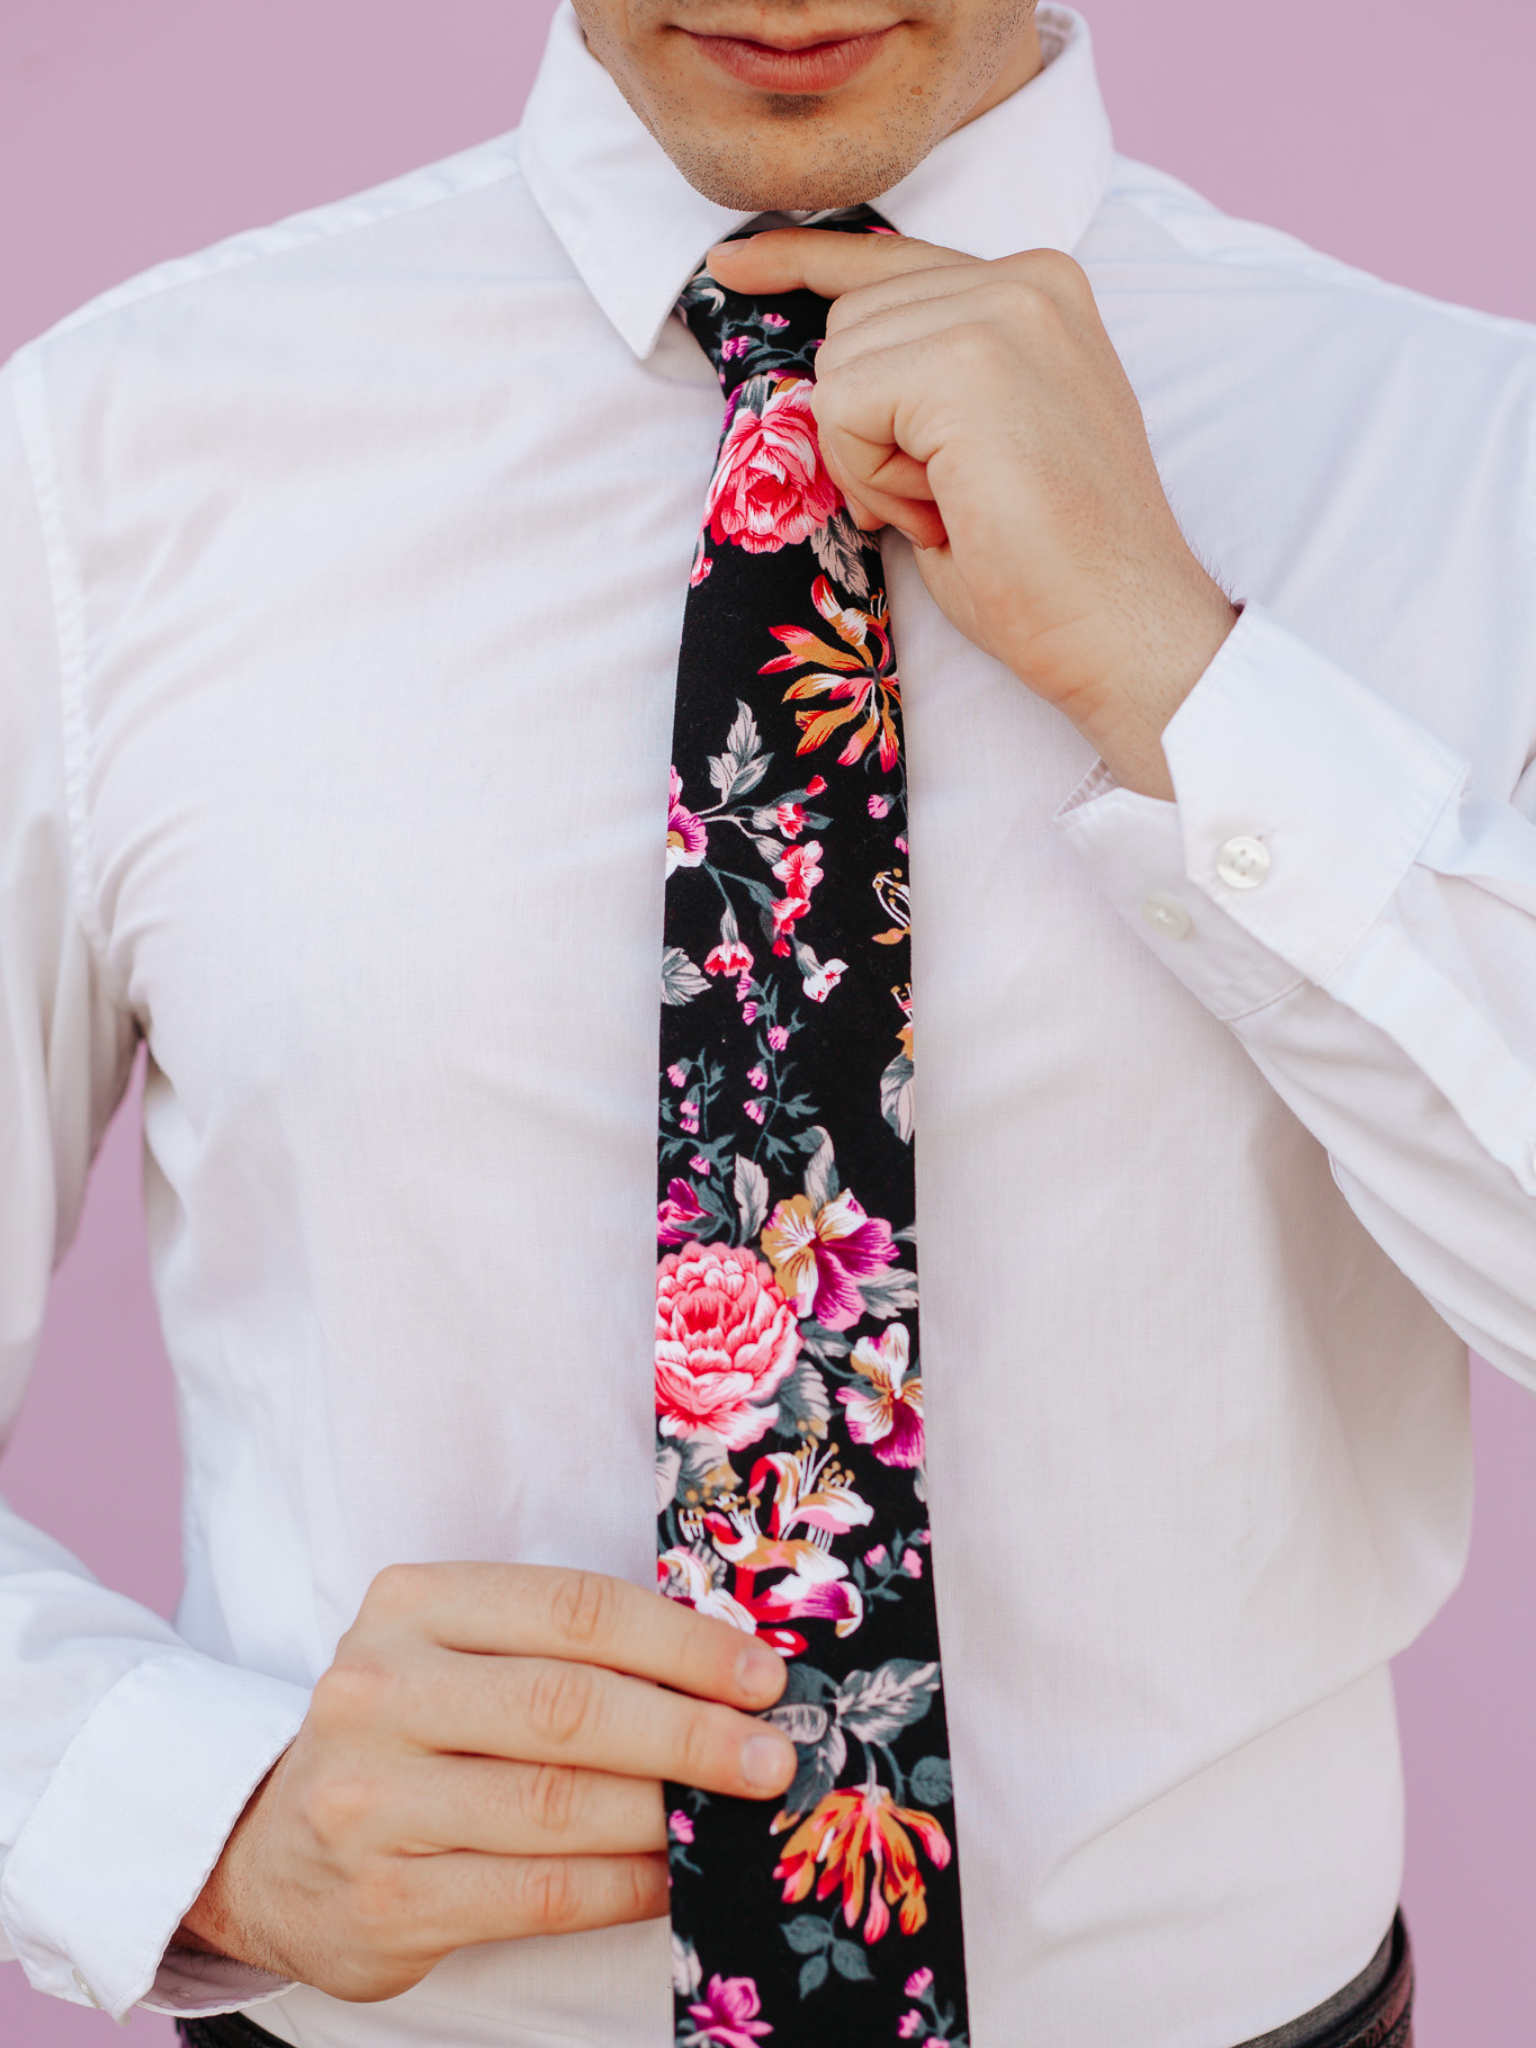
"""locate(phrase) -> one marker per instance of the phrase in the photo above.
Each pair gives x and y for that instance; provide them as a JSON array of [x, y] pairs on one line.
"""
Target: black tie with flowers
[[789, 1402]]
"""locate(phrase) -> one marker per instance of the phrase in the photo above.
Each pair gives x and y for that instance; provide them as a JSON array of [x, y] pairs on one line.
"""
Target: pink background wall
[[1396, 133]]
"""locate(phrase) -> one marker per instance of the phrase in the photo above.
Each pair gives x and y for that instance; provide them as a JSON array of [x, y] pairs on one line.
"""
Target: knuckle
[[696, 1746], [1053, 268], [351, 1693], [584, 1607], [335, 1806], [551, 1893], [562, 1703], [550, 1798], [399, 1590], [976, 347]]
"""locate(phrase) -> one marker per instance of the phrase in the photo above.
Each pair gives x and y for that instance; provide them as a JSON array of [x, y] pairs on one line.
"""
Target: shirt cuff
[[1303, 799], [132, 1821]]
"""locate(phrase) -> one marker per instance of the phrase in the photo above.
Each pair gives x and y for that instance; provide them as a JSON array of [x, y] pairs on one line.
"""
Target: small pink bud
[[912, 1565]]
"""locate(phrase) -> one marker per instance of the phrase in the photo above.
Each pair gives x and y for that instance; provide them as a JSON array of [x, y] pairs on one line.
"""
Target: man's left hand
[[981, 409]]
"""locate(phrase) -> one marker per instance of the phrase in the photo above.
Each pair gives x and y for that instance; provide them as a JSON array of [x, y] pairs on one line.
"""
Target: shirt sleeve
[[1326, 885], [125, 1756]]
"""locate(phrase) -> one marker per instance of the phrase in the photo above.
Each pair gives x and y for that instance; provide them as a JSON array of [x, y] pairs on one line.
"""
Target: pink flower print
[[686, 834], [879, 807], [676, 1216], [725, 1341], [677, 1075], [778, 1037], [680, 1827], [816, 785], [823, 978], [889, 1417], [770, 489], [774, 320], [758, 1076], [729, 957], [728, 2017], [901, 844], [756, 1111], [702, 564], [800, 869], [912, 2024], [874, 1559], [743, 987], [786, 913], [820, 1254], [736, 346], [688, 1117], [912, 1565], [699, 1164], [920, 1982], [748, 1013], [790, 820]]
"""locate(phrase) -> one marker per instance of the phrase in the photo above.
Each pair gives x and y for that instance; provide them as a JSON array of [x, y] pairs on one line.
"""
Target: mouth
[[812, 67]]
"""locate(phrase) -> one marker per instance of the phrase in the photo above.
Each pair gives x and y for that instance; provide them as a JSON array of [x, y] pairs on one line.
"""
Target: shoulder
[[467, 219], [1174, 233]]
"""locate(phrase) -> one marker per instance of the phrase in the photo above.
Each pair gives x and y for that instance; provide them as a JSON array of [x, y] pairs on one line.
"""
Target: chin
[[791, 172]]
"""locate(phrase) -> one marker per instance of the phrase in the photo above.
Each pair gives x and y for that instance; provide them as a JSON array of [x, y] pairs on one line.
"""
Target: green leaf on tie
[[808, 1936]]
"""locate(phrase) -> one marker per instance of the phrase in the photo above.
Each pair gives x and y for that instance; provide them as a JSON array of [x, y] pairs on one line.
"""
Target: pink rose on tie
[[726, 1339], [728, 2015], [770, 489]]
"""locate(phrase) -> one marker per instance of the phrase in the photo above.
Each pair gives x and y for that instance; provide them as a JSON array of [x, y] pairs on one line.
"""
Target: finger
[[462, 1898], [546, 1710], [822, 260], [581, 1617], [900, 317], [517, 1809]]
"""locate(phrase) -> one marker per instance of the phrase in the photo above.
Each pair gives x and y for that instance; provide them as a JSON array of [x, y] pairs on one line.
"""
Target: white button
[[85, 1990], [1243, 863], [1168, 917]]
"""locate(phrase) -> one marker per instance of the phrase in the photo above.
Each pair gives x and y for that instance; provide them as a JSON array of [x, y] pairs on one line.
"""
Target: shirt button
[[1243, 863], [1167, 917], [85, 1990]]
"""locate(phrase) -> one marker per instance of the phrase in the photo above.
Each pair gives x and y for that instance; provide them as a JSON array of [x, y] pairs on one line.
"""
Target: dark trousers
[[1375, 2011]]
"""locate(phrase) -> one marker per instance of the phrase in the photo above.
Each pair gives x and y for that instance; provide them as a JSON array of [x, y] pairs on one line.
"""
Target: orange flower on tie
[[848, 1830], [863, 684]]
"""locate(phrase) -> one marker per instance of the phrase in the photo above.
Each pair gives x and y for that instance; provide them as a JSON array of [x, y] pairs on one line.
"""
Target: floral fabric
[[789, 1393]]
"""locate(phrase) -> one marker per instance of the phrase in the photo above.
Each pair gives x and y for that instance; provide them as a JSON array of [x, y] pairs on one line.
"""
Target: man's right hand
[[484, 1760]]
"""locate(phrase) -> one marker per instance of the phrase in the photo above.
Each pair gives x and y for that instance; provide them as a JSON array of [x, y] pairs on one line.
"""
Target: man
[[345, 568]]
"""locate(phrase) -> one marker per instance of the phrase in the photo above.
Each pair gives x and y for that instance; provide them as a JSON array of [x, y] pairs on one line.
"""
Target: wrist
[[1125, 718]]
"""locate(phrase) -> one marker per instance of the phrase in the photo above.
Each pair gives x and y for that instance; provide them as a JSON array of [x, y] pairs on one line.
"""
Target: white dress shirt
[[341, 576]]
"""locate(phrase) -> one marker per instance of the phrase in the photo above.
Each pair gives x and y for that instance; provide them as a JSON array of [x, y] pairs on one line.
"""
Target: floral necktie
[[789, 1400]]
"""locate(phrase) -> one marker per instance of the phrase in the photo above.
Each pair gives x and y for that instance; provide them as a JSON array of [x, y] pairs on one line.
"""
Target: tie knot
[[776, 334]]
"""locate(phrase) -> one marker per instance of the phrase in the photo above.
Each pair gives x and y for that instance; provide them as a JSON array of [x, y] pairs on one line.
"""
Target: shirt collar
[[1028, 175]]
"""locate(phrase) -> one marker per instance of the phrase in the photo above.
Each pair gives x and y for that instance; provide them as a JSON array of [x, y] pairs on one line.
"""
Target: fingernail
[[759, 1673], [767, 1761]]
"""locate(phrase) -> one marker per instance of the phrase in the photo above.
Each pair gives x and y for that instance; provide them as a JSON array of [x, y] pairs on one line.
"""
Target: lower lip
[[816, 69]]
